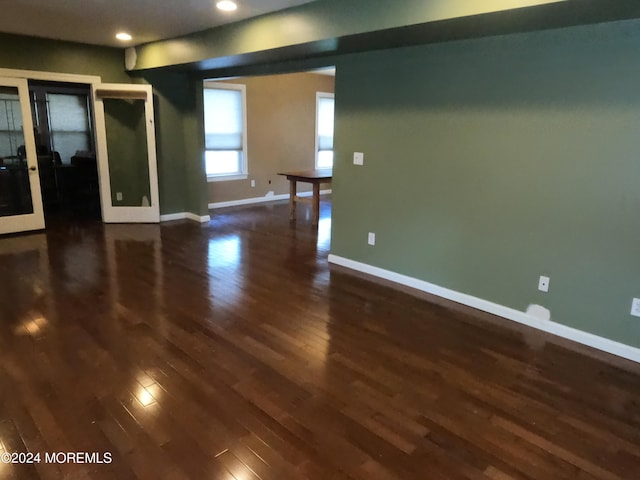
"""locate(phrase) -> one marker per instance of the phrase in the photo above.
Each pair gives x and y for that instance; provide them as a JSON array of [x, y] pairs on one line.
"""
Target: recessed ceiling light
[[123, 36], [227, 5]]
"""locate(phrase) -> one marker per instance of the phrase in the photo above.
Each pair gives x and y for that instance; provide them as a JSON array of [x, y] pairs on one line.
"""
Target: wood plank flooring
[[232, 351]]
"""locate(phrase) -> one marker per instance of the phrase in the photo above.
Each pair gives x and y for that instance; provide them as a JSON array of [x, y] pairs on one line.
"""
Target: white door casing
[[34, 220], [125, 214]]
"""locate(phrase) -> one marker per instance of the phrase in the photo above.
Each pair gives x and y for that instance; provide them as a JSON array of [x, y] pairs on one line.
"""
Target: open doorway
[[282, 123], [66, 153]]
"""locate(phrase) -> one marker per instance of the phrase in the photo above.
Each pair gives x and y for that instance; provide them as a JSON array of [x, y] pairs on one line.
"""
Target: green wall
[[180, 163], [27, 53], [197, 193], [491, 162]]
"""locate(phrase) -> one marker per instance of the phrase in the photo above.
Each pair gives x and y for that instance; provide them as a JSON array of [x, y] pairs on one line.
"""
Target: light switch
[[358, 158]]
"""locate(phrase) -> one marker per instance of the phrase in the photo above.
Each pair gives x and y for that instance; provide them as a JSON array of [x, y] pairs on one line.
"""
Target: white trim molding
[[266, 198], [579, 336], [50, 76], [173, 216], [198, 218], [185, 216]]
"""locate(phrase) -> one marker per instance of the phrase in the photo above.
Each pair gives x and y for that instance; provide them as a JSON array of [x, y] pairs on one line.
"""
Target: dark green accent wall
[[491, 162], [28, 53], [174, 105], [197, 194]]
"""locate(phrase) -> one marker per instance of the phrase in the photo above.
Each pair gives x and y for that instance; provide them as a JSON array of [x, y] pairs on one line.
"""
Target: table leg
[[316, 203], [292, 200]]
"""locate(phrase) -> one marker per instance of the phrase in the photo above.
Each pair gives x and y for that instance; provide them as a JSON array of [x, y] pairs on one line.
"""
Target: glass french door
[[125, 135], [20, 197]]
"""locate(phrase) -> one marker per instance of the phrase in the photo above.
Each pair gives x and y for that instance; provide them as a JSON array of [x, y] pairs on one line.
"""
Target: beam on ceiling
[[333, 27]]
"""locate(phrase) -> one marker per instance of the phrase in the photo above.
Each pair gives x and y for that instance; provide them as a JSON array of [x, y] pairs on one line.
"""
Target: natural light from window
[[224, 126], [324, 130], [68, 124], [224, 259]]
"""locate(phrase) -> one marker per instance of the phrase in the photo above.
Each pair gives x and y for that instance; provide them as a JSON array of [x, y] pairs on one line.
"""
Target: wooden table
[[314, 177]]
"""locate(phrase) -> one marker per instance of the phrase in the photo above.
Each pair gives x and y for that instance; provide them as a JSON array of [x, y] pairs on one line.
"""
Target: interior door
[[126, 153], [20, 198]]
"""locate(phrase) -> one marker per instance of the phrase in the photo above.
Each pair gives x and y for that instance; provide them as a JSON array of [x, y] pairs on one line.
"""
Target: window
[[225, 131], [69, 124], [324, 130], [62, 119]]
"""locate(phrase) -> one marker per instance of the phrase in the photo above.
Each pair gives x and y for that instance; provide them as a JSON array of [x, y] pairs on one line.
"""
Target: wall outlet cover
[[635, 307], [543, 284]]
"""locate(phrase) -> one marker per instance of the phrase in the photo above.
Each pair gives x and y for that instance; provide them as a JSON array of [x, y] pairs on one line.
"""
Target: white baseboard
[[234, 203], [185, 215], [271, 198], [173, 216], [248, 201], [198, 218], [585, 338]]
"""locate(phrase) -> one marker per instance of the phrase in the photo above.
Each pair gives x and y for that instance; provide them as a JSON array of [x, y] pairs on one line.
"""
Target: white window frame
[[320, 95], [244, 164]]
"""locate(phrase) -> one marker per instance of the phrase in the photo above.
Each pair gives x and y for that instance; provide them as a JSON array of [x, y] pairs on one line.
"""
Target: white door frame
[[111, 213], [50, 76], [34, 220]]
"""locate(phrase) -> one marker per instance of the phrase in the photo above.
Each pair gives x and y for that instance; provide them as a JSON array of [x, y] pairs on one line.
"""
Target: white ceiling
[[97, 21]]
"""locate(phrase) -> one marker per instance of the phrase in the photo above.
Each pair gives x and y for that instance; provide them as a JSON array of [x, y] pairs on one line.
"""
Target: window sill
[[226, 178]]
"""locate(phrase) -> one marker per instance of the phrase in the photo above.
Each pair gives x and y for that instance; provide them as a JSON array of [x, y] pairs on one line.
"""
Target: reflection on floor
[[231, 351]]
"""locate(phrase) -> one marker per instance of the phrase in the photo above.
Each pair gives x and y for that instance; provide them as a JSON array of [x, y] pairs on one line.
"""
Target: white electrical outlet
[[119, 196], [358, 158], [543, 284], [635, 307], [253, 183], [371, 240]]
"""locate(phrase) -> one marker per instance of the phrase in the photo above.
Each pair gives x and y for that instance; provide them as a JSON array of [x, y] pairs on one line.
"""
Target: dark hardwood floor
[[232, 351]]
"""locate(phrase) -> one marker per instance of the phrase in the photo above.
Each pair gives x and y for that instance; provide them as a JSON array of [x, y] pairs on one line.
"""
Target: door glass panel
[[128, 152], [15, 191]]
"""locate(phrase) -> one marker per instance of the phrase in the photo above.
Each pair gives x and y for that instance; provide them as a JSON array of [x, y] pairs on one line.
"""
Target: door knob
[[32, 168]]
